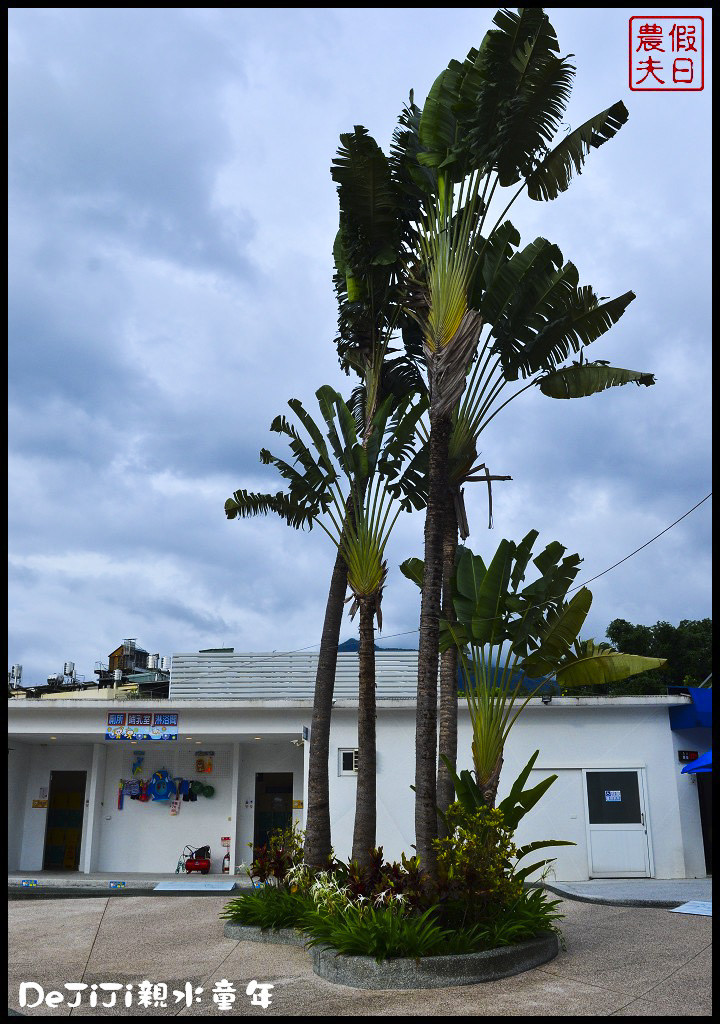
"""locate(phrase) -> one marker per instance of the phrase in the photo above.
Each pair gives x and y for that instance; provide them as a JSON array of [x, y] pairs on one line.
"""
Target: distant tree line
[[687, 648]]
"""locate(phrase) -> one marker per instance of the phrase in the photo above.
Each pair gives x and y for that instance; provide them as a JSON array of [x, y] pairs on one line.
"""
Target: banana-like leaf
[[413, 569], [522, 556], [542, 844], [595, 665], [486, 624], [523, 873], [368, 202], [515, 808], [438, 128], [562, 630], [555, 172], [577, 322], [517, 786], [583, 379], [517, 286], [523, 89]]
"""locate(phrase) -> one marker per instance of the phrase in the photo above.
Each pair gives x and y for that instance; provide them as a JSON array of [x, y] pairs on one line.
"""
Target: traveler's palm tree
[[488, 124], [512, 639], [354, 488], [368, 283]]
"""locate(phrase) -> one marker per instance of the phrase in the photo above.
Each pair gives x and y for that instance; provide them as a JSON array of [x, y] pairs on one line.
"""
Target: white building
[[619, 795]]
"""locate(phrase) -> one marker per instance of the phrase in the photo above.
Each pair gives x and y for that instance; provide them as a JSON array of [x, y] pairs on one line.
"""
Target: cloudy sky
[[171, 222]]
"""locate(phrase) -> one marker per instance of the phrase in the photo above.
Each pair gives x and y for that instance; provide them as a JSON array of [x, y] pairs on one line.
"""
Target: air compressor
[[195, 860]]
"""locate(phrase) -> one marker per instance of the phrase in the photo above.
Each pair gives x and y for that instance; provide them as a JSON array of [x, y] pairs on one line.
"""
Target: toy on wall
[[161, 786], [204, 762]]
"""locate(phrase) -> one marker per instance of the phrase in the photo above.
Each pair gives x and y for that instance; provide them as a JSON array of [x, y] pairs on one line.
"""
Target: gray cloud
[[171, 224]]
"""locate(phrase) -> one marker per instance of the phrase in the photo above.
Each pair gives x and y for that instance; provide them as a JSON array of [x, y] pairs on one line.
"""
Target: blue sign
[[141, 726]]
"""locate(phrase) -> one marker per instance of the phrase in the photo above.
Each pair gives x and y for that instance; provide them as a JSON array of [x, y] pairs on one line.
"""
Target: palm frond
[[247, 504]]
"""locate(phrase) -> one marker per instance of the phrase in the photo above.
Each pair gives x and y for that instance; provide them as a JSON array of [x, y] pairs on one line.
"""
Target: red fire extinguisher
[[226, 863]]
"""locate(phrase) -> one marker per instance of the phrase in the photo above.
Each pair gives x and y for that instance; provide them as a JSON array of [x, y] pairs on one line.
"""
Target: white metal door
[[617, 823]]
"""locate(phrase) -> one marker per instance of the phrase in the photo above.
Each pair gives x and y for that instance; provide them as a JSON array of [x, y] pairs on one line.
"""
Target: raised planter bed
[[251, 933], [434, 971]]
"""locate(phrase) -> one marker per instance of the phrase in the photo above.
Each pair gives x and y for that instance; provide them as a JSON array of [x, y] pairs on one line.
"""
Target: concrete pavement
[[618, 961], [636, 892]]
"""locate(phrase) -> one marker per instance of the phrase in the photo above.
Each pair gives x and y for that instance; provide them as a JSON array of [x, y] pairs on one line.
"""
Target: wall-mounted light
[[257, 737], [546, 698]]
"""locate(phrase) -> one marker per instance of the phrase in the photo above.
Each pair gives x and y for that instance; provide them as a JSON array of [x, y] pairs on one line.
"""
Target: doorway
[[273, 804], [617, 824], [63, 828], [704, 790]]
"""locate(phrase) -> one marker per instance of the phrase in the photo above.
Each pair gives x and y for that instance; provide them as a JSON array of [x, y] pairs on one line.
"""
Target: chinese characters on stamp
[[666, 53]]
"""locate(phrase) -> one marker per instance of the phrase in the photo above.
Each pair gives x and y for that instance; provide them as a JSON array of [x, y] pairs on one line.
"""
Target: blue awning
[[697, 715], [700, 764]]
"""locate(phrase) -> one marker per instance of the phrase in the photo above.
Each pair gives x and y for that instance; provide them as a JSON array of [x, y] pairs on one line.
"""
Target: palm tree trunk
[[426, 829], [318, 845], [365, 803], [490, 788], [447, 745]]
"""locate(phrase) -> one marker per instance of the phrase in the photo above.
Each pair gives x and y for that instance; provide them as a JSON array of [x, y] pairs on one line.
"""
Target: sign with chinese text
[[143, 725], [667, 53], [685, 756], [39, 803], [612, 796]]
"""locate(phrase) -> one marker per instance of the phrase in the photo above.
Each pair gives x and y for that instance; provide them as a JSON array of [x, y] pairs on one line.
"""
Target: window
[[348, 761]]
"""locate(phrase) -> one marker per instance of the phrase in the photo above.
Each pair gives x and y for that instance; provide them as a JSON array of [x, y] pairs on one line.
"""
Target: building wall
[[145, 836], [687, 791], [18, 770], [571, 735], [569, 738]]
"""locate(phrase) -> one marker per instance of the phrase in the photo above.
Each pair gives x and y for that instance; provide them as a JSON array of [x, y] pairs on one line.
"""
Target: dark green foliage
[[393, 909], [532, 913], [382, 933], [267, 907]]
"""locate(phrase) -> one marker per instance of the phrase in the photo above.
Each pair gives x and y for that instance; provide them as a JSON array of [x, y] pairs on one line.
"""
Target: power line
[[642, 545], [407, 632]]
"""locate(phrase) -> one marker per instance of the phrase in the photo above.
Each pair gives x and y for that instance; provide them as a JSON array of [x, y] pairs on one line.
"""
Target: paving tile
[[49, 942], [626, 949], [687, 991], [170, 936]]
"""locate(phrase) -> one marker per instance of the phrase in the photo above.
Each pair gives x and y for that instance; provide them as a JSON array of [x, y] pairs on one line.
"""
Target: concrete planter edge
[[435, 971], [252, 933]]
